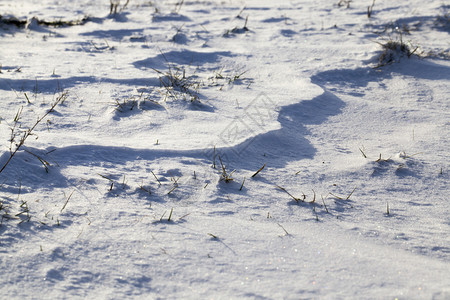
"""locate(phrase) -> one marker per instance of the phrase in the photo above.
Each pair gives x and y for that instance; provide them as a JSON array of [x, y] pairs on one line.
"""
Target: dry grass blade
[[324, 205], [156, 177], [173, 188], [284, 190], [170, 215], [362, 152], [370, 9], [342, 198], [242, 185], [178, 6], [45, 163], [285, 231], [110, 180], [213, 236], [260, 169]]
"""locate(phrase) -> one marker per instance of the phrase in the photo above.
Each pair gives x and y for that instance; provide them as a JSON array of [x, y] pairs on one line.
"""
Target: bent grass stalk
[[284, 190], [110, 180]]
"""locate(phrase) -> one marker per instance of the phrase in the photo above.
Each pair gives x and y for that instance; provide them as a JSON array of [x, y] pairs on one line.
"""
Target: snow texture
[[143, 180]]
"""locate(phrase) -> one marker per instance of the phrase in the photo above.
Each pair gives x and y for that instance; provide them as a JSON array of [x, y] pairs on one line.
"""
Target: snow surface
[[353, 199]]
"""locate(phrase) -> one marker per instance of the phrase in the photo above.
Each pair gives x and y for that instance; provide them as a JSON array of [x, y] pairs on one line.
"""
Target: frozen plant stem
[[147, 190], [67, 201], [370, 9], [214, 157], [110, 180], [174, 187], [286, 233], [341, 198], [156, 178], [324, 205], [284, 190], [178, 6], [170, 215], [260, 169], [362, 152], [315, 212], [26, 96], [242, 185], [213, 236]]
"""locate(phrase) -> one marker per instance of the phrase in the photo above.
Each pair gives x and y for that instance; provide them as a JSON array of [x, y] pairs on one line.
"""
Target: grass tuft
[[177, 84], [225, 175], [20, 136], [237, 30], [393, 50]]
